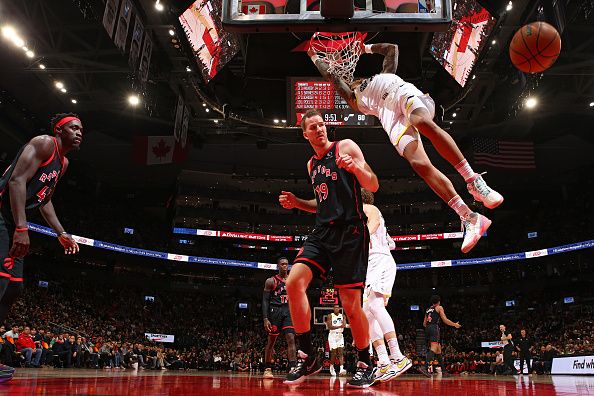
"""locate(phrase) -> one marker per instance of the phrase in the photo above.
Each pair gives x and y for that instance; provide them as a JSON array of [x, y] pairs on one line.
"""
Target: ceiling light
[[73, 101], [19, 42], [171, 32], [216, 121], [158, 6], [454, 115], [591, 104], [59, 84], [63, 90], [188, 69], [473, 76], [42, 66], [8, 32], [531, 103], [203, 104], [284, 121], [276, 121], [207, 109], [494, 42], [30, 54], [509, 6], [134, 100]]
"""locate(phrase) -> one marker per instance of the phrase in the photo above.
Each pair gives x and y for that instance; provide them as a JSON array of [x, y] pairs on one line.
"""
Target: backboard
[[265, 16]]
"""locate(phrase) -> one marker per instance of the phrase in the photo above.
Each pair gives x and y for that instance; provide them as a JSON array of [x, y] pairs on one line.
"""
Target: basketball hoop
[[340, 51]]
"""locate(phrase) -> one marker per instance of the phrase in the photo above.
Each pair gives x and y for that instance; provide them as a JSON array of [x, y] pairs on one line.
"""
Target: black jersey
[[278, 295], [338, 193], [41, 185], [432, 317]]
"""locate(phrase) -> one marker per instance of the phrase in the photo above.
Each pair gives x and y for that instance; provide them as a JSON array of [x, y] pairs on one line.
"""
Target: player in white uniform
[[404, 112], [381, 273], [336, 323]]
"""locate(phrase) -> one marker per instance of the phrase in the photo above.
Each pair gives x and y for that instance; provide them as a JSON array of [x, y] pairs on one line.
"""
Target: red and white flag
[[153, 150], [254, 9]]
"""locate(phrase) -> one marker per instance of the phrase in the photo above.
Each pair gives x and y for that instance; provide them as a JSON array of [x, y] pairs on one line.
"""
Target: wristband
[[21, 229], [368, 49], [62, 233]]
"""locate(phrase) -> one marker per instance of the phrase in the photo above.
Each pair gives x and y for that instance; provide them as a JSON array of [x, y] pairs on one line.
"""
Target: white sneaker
[[343, 372], [384, 373], [402, 365], [332, 370], [474, 227], [483, 193]]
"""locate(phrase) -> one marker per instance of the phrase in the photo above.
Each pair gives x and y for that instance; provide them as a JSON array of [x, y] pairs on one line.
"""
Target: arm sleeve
[[265, 303]]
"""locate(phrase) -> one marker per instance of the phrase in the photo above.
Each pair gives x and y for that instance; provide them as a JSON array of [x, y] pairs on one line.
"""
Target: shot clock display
[[307, 93]]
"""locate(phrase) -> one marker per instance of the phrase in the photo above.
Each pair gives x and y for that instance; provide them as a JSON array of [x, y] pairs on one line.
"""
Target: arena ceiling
[[68, 37]]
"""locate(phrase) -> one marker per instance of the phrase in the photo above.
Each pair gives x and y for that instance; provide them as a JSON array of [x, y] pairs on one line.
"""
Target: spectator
[[26, 346]]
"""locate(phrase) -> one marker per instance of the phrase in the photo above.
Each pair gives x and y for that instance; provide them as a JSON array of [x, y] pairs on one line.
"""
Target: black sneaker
[[363, 377], [423, 370], [306, 366]]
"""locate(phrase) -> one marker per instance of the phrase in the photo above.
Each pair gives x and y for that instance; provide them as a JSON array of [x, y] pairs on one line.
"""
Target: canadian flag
[[154, 150], [253, 9]]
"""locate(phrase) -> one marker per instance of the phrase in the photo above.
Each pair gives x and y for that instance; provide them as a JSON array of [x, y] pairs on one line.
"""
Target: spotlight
[[59, 84], [276, 121], [158, 6], [73, 101], [216, 121], [133, 100], [284, 121], [473, 76], [188, 69], [171, 32], [9, 32], [19, 42], [454, 115], [591, 104], [531, 103], [494, 42], [30, 54], [42, 66], [207, 109], [63, 90], [509, 6], [203, 104]]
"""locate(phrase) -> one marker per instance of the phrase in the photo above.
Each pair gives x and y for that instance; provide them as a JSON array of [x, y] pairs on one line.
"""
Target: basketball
[[535, 47]]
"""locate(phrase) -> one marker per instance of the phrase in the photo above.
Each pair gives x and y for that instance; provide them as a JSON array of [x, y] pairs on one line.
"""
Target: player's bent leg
[[416, 156], [297, 283], [443, 142], [299, 279]]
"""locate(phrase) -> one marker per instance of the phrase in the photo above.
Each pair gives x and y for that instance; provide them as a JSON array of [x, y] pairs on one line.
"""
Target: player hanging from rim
[[336, 323], [381, 273], [399, 106], [431, 324], [277, 318], [339, 241], [29, 183]]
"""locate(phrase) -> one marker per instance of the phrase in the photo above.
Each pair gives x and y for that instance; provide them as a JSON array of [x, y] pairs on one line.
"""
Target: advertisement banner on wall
[[160, 337], [573, 365]]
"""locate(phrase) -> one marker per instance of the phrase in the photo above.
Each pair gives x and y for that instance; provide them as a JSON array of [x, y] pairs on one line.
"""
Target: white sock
[[382, 354], [465, 170], [395, 352], [459, 206]]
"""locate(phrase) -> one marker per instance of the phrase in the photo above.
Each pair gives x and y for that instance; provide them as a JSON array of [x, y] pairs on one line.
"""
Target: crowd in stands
[[81, 322]]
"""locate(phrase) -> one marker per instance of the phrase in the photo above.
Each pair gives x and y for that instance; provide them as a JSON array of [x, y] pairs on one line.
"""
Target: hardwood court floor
[[127, 382]]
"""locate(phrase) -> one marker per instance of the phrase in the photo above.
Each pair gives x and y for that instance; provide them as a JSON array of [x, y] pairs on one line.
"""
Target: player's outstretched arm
[[341, 87], [352, 160], [390, 53], [445, 320]]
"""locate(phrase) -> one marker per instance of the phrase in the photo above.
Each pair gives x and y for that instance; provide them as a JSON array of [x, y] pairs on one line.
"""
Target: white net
[[340, 50]]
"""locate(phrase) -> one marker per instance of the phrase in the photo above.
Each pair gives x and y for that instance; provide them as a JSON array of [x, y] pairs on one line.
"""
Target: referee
[[508, 347]]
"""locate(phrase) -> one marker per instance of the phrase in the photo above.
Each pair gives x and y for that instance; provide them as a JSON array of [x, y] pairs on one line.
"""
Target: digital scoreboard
[[317, 93]]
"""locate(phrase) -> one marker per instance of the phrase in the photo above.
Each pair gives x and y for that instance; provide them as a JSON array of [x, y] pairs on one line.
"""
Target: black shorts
[[432, 334], [9, 268], [280, 320], [344, 248]]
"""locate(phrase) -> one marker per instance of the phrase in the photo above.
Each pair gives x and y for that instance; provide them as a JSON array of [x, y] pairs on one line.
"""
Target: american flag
[[504, 153]]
